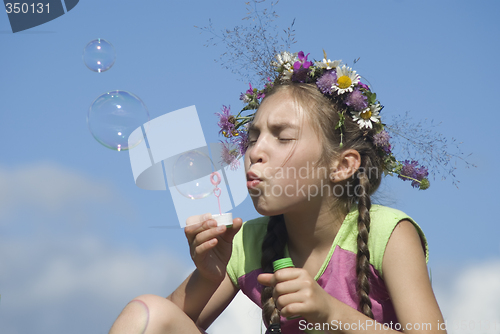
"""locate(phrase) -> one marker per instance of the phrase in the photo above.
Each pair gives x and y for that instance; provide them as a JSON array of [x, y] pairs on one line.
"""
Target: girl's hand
[[296, 293], [210, 245]]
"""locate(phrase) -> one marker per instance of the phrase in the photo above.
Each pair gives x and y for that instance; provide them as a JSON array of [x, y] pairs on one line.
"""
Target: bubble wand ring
[[217, 190]]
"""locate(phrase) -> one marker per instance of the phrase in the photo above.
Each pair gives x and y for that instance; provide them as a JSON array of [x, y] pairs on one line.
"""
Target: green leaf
[[341, 121]]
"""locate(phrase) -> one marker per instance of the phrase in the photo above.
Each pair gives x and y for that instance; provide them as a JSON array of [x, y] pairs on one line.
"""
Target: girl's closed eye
[[285, 140]]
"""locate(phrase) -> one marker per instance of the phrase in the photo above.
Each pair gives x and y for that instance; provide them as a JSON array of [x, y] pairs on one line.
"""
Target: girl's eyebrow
[[275, 127]]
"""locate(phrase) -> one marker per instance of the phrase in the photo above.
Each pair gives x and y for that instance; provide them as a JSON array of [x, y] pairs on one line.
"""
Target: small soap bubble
[[113, 116], [191, 175], [99, 55]]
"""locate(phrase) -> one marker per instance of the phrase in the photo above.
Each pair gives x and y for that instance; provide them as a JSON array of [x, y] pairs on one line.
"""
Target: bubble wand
[[221, 218], [217, 189]]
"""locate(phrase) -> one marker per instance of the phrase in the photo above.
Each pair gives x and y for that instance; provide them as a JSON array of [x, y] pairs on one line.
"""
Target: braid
[[273, 248], [363, 255]]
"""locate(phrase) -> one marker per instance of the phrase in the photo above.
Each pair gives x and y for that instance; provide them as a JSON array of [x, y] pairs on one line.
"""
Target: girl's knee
[[158, 309], [147, 314], [152, 302]]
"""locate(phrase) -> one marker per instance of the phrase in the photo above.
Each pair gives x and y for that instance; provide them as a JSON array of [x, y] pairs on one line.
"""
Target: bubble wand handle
[[217, 189]]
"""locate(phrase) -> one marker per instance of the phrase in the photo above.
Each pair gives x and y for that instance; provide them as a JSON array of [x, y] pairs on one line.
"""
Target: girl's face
[[282, 174]]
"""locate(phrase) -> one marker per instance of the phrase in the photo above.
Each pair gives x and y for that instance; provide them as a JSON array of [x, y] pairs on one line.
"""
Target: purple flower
[[268, 84], [300, 75], [411, 169], [250, 90], [244, 97], [261, 95], [301, 68], [357, 100], [242, 142], [302, 62], [326, 82], [226, 121], [229, 156], [381, 140], [362, 85], [422, 173]]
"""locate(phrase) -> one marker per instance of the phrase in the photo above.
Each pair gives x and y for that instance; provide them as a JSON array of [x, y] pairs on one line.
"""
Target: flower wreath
[[343, 86]]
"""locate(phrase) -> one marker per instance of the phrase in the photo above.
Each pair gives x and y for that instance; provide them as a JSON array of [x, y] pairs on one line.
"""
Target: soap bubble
[[191, 175], [113, 116], [99, 55]]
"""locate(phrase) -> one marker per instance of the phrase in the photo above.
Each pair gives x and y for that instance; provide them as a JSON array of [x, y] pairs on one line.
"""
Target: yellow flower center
[[344, 82], [367, 114]]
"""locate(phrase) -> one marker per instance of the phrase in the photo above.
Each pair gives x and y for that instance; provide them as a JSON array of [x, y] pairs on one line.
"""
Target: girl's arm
[[202, 300], [217, 303], [407, 279], [208, 288]]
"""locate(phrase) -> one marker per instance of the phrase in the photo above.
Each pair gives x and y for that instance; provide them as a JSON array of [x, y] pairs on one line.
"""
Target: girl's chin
[[264, 209]]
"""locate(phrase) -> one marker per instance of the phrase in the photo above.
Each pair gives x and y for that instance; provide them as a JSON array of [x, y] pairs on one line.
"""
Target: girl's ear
[[345, 165]]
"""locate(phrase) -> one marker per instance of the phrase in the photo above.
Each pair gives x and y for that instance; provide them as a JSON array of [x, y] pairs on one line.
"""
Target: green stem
[[408, 177]]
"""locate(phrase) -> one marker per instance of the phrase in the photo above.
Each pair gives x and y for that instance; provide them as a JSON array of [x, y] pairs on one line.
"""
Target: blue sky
[[75, 237]]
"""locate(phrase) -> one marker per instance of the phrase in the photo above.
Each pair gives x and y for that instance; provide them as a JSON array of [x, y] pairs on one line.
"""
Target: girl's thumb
[[265, 279]]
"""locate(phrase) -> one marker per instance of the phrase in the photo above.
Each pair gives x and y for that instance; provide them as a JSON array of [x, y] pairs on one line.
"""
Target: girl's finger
[[203, 248], [193, 220], [265, 279], [198, 224], [287, 287], [231, 231], [208, 234], [284, 302], [287, 274]]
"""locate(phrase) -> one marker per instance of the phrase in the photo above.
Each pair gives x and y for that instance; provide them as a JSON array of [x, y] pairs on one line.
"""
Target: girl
[[314, 156]]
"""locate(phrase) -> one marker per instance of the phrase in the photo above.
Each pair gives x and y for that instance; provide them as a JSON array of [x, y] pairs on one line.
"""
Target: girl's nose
[[258, 151]]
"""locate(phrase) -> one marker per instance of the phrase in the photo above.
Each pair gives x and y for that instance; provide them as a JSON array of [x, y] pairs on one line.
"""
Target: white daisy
[[284, 59], [284, 63], [287, 74], [346, 80], [328, 64], [367, 116]]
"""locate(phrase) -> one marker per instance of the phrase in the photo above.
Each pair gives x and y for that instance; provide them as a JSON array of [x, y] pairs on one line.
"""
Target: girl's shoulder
[[383, 221]]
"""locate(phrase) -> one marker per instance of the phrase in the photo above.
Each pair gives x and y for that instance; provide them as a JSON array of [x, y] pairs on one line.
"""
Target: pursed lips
[[252, 180]]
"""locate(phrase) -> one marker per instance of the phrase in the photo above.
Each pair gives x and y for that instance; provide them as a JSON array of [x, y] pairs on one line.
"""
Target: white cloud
[[471, 303], [47, 187]]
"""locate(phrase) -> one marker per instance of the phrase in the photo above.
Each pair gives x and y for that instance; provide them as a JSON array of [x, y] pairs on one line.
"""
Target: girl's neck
[[313, 231]]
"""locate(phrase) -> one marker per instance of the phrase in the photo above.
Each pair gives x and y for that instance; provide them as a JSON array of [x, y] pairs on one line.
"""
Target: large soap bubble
[[99, 55], [195, 177], [113, 116], [191, 175]]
